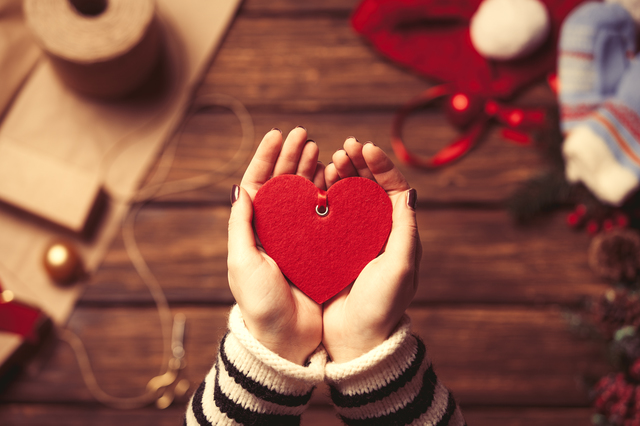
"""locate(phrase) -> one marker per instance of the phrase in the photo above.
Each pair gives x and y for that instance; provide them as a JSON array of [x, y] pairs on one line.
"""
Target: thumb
[[241, 237], [404, 241]]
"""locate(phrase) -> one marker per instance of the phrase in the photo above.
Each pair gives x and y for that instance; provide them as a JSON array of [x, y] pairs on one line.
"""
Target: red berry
[[593, 227], [622, 220], [573, 220], [581, 210], [607, 224]]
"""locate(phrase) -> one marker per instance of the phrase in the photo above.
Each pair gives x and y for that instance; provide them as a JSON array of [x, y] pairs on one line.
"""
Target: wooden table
[[492, 298]]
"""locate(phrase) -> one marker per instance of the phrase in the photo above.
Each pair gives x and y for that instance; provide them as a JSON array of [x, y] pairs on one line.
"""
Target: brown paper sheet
[[18, 52], [54, 123]]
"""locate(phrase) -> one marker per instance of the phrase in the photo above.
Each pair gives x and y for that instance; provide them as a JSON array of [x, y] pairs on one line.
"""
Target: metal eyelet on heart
[[324, 212]]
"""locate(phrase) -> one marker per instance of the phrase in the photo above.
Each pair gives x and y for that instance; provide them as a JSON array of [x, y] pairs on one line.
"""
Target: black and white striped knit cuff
[[249, 384], [393, 384]]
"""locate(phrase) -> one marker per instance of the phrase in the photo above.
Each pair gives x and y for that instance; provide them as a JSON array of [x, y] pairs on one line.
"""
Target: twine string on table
[[106, 53], [156, 188]]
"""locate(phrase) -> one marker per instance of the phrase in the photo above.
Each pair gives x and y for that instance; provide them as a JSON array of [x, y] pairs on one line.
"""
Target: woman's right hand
[[275, 312]]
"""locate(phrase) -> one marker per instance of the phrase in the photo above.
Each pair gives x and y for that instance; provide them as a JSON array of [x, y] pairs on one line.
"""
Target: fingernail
[[412, 198], [369, 142], [354, 138], [235, 193], [310, 140], [301, 127], [275, 128]]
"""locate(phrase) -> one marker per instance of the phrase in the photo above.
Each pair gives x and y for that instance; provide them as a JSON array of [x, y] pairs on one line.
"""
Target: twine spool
[[100, 48]]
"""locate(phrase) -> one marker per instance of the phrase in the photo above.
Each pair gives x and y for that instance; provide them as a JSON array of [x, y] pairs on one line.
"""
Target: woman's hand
[[275, 312], [365, 313]]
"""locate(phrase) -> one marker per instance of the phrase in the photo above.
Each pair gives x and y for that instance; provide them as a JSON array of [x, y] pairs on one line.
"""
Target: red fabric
[[432, 38], [18, 318], [517, 119], [322, 255]]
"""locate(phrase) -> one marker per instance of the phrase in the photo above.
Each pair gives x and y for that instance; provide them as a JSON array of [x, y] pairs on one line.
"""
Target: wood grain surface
[[493, 300]]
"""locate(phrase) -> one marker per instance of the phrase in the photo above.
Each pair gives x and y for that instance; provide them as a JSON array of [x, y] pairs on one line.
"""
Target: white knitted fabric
[[590, 161], [632, 6], [392, 383], [282, 368], [243, 370], [250, 384], [377, 367]]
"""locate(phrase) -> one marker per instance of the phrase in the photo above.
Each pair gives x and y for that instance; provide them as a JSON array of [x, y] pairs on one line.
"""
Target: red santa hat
[[433, 38]]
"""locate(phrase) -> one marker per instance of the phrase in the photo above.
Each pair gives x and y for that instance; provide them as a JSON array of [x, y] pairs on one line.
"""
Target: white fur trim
[[589, 160], [509, 29]]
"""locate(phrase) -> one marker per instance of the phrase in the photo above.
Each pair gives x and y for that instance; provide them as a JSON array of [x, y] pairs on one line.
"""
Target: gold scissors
[[170, 381]]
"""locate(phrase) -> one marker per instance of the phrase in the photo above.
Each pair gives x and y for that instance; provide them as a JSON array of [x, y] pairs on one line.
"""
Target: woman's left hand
[[365, 313]]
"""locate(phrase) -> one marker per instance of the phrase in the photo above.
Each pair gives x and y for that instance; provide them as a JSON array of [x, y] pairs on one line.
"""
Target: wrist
[[351, 346], [347, 344], [391, 347], [342, 353], [277, 339], [285, 349]]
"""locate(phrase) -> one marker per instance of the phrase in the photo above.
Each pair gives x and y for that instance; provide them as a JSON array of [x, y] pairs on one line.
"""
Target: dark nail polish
[[275, 128], [301, 127], [235, 193], [412, 198], [310, 140]]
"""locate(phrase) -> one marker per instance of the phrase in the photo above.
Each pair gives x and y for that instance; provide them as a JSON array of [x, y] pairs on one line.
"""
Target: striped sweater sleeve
[[251, 385], [393, 384]]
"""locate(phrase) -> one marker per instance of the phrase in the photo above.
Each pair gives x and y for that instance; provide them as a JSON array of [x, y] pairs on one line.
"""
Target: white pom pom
[[509, 29]]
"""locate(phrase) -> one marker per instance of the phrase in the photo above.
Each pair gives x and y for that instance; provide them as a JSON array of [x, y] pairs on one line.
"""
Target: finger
[[417, 260], [343, 164], [354, 151], [384, 171], [261, 166], [402, 245], [242, 241], [318, 177], [291, 150], [331, 175], [308, 160]]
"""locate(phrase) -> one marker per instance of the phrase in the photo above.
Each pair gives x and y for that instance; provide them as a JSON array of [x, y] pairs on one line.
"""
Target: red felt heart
[[322, 255]]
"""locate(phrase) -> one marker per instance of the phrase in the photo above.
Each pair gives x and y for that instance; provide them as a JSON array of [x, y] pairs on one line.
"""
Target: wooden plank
[[296, 7], [47, 415], [528, 417], [470, 256], [82, 415], [490, 173], [480, 256], [313, 62], [520, 357], [490, 416]]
